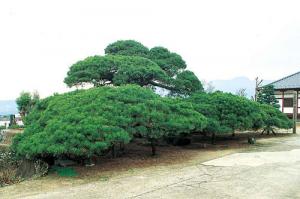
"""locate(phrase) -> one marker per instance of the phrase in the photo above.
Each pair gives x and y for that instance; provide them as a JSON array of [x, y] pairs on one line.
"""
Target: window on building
[[288, 102]]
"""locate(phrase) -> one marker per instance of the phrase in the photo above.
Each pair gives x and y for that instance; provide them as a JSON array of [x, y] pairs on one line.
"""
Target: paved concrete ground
[[264, 172]]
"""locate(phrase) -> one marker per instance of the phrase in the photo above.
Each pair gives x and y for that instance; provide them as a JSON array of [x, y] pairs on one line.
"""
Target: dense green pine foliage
[[128, 48], [186, 83], [128, 61], [115, 70], [227, 112], [274, 118], [165, 117], [170, 62], [87, 122]]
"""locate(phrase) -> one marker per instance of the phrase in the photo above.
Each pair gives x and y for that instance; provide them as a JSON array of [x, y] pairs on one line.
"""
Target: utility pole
[[258, 83], [295, 111]]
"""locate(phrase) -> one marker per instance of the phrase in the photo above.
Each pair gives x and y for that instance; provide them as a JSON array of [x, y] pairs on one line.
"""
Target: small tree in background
[[273, 117], [241, 92], [26, 102], [267, 96], [208, 86]]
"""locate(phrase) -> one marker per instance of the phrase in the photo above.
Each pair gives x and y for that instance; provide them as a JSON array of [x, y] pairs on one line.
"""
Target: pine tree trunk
[[213, 138], [153, 148], [122, 147], [113, 151]]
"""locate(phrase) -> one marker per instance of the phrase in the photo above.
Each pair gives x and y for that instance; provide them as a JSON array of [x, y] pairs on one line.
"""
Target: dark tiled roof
[[289, 82]]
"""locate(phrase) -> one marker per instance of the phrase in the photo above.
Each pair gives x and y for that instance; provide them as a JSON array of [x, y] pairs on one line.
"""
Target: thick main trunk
[[153, 148], [113, 151], [122, 147], [213, 138], [273, 132]]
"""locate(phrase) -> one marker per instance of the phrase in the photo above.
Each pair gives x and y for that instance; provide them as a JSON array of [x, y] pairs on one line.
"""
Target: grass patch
[[104, 178], [64, 171], [131, 170]]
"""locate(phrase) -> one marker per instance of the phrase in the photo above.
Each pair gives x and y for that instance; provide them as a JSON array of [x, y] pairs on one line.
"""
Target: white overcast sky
[[219, 39]]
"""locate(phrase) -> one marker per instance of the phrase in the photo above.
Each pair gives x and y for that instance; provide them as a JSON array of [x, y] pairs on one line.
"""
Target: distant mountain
[[8, 107], [232, 85]]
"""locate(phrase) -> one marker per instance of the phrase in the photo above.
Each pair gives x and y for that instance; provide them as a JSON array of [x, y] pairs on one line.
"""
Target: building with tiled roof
[[285, 89], [291, 82]]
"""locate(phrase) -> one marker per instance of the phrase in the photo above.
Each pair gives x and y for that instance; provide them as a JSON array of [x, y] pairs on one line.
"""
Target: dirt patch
[[138, 156]]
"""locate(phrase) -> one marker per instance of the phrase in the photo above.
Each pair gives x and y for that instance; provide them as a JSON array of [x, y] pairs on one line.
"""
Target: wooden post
[[282, 105], [295, 110], [297, 105]]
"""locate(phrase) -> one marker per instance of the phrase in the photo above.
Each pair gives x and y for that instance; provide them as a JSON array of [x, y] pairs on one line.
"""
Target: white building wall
[[4, 123], [288, 110], [287, 94], [280, 103]]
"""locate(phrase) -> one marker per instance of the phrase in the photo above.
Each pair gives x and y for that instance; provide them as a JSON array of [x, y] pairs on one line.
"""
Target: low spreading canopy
[[115, 70], [83, 123]]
